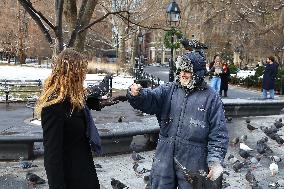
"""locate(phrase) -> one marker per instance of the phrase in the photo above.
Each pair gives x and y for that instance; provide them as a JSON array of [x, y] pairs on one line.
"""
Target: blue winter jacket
[[192, 128]]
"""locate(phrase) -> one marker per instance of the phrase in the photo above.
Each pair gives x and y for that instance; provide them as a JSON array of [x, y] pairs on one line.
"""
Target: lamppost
[[140, 42], [173, 19]]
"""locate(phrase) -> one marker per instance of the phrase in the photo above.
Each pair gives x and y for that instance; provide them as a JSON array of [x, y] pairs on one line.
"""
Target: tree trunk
[[121, 49], [81, 38], [70, 14]]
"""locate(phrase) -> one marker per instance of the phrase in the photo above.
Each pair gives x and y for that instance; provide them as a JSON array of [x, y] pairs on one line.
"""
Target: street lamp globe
[[173, 14]]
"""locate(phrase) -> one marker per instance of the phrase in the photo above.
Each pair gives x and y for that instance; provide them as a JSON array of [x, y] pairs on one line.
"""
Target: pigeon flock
[[248, 159]]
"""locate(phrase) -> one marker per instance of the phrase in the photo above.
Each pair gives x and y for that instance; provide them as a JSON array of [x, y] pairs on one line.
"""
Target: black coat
[[67, 154], [269, 76], [225, 77]]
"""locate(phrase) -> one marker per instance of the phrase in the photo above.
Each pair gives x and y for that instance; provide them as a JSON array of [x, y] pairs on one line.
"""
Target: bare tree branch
[[37, 18], [58, 30]]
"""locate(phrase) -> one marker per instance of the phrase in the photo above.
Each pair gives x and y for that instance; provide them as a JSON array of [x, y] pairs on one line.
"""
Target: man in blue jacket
[[193, 131]]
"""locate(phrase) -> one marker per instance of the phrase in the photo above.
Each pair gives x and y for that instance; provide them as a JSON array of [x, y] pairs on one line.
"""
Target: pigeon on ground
[[119, 119], [279, 140], [263, 140], [256, 186], [275, 159], [33, 179], [232, 159], [273, 168], [25, 164], [250, 127], [247, 120], [278, 124], [274, 185], [254, 161], [98, 166], [235, 141], [136, 157], [244, 154], [243, 146], [238, 165], [243, 138], [250, 177], [146, 180], [138, 169], [116, 184], [229, 119]]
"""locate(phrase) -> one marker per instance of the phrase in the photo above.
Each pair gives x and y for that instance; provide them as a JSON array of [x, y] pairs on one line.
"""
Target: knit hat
[[184, 64], [194, 44]]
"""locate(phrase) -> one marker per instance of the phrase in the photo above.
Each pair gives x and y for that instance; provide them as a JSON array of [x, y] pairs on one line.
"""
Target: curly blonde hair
[[69, 70]]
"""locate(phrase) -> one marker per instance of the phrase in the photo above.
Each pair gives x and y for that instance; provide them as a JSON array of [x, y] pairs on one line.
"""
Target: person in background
[[215, 70], [193, 132], [69, 132], [225, 77], [269, 76]]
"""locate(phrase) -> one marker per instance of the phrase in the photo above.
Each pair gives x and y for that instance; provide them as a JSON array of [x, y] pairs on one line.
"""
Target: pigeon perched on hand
[[116, 184], [25, 164], [136, 157], [33, 179]]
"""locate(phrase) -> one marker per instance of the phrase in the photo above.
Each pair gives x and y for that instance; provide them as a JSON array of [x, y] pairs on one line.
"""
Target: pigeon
[[255, 160], [119, 119], [229, 119], [250, 177], [278, 124], [138, 169], [25, 164], [146, 180], [279, 140], [273, 168], [247, 120], [275, 159], [250, 127], [244, 154], [274, 185], [235, 141], [98, 166], [136, 157], [256, 186], [116, 184], [243, 146], [280, 120], [243, 138], [33, 179], [263, 140], [232, 159], [238, 165]]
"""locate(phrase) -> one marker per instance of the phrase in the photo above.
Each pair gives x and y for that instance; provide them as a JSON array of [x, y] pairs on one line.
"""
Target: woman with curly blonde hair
[[69, 132]]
